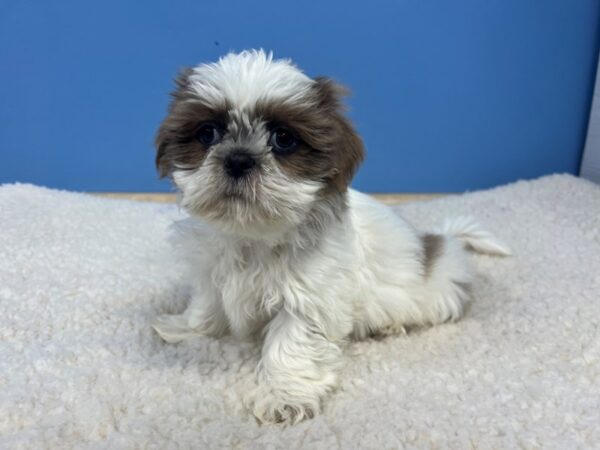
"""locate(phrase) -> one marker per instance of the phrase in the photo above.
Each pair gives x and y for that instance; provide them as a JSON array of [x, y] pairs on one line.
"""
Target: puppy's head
[[255, 145]]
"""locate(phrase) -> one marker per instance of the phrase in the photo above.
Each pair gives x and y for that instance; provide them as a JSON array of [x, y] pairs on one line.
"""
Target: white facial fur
[[267, 209], [303, 267]]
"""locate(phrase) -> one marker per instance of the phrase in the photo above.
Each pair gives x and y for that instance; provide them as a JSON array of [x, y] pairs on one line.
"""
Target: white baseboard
[[590, 163]]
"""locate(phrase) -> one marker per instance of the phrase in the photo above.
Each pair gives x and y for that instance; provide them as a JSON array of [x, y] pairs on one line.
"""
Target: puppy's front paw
[[172, 328], [270, 406]]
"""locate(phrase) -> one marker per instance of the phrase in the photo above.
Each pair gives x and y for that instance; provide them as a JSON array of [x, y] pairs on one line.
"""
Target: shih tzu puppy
[[278, 246]]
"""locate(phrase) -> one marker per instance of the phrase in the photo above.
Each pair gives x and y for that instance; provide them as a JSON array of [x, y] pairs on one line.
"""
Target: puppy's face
[[254, 144]]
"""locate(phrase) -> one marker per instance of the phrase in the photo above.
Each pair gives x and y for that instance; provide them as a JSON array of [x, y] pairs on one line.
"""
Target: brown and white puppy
[[278, 245]]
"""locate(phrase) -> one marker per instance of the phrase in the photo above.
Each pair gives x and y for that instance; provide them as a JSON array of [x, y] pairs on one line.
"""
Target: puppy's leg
[[447, 274], [447, 279], [436, 292], [204, 316], [297, 368]]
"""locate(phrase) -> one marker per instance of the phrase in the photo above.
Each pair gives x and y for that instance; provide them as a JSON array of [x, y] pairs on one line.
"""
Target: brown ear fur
[[166, 135], [175, 143], [349, 150]]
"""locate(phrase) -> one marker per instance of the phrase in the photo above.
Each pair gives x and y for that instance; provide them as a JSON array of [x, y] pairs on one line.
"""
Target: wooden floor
[[170, 198]]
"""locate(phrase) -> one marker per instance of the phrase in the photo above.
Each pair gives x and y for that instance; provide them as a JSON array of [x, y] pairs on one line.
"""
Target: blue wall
[[448, 95]]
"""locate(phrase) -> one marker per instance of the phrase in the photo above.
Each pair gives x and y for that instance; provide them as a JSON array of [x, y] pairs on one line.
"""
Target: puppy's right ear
[[166, 137]]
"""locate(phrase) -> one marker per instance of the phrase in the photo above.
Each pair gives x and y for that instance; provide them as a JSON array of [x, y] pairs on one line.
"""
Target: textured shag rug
[[82, 277]]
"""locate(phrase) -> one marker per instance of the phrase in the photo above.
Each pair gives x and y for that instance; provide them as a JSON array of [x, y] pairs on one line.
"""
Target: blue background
[[448, 95]]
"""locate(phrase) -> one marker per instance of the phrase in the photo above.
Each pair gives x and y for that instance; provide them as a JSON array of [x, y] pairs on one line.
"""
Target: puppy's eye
[[283, 140], [209, 134]]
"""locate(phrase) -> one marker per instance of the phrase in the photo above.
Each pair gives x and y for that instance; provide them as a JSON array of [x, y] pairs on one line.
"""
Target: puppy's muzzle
[[238, 164]]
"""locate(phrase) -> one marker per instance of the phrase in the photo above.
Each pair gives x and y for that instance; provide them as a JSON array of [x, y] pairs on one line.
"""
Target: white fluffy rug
[[82, 277]]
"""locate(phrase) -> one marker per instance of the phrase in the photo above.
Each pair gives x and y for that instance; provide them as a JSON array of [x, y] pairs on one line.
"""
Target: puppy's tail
[[467, 230]]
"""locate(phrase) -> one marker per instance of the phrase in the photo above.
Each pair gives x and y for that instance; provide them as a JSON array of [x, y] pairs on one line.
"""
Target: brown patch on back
[[433, 245], [176, 138], [330, 150]]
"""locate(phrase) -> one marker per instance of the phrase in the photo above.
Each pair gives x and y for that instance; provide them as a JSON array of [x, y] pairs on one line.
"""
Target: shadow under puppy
[[278, 245]]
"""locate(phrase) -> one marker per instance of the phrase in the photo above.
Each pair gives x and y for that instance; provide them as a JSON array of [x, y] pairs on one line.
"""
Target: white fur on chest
[[251, 286], [253, 281]]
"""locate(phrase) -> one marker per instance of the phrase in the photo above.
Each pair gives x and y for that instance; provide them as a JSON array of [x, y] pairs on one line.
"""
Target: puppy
[[278, 246]]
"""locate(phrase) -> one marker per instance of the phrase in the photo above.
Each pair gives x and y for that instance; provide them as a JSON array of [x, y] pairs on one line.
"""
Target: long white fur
[[247, 78], [366, 277], [305, 289]]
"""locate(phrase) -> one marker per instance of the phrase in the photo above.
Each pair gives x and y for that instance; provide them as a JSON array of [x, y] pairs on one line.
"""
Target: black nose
[[239, 164]]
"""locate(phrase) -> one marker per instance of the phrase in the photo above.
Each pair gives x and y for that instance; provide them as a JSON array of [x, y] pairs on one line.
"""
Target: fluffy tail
[[467, 230]]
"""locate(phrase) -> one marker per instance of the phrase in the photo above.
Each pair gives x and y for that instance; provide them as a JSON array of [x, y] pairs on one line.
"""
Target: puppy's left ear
[[348, 150]]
